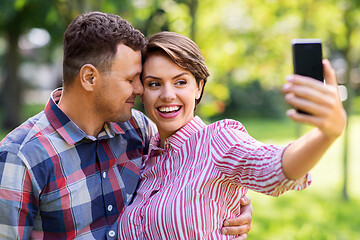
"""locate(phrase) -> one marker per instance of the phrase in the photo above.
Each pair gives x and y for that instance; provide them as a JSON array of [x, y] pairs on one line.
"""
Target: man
[[69, 171]]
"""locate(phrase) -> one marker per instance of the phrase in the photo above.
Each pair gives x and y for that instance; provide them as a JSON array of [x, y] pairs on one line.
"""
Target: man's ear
[[88, 76]]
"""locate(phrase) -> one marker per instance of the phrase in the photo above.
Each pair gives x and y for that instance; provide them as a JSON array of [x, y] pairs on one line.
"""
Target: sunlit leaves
[[247, 40], [242, 40]]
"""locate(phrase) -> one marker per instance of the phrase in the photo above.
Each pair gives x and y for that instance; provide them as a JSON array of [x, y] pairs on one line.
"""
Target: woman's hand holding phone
[[321, 101]]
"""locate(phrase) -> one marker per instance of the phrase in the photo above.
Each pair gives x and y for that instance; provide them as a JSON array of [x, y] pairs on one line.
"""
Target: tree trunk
[[348, 109], [348, 103], [11, 92], [193, 9]]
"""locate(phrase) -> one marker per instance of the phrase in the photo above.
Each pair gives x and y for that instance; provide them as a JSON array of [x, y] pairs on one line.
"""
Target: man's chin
[[122, 118]]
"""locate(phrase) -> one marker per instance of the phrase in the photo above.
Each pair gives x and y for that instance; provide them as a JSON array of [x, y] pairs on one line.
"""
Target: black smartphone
[[307, 58]]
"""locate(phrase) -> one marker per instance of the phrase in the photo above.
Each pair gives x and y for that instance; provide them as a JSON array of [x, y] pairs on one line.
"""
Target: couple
[[70, 170]]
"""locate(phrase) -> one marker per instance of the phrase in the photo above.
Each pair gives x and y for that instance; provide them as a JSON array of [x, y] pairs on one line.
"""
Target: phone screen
[[307, 58]]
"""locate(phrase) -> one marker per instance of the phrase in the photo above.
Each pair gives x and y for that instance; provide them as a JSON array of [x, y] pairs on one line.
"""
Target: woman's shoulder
[[228, 130], [227, 124]]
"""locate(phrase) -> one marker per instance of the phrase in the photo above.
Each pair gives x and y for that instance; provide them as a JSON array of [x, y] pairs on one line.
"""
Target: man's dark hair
[[92, 38]]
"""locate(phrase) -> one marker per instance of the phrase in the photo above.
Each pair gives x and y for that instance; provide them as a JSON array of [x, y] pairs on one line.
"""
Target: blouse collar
[[176, 140]]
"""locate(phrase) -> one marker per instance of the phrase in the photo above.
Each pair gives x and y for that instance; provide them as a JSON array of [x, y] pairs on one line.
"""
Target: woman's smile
[[169, 111]]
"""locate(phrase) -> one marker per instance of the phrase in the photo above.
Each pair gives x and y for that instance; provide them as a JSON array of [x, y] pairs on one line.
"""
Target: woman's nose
[[167, 93]]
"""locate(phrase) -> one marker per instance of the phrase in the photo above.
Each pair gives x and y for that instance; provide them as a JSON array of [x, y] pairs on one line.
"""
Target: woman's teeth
[[168, 109]]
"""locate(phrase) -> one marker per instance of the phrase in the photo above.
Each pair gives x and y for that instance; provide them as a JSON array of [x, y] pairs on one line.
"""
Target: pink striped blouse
[[192, 185]]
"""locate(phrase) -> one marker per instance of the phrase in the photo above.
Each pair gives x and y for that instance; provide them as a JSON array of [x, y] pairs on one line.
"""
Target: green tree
[[15, 18], [349, 48]]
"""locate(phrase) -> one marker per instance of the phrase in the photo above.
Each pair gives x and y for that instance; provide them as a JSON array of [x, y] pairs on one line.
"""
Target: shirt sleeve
[[146, 127], [251, 163], [18, 205]]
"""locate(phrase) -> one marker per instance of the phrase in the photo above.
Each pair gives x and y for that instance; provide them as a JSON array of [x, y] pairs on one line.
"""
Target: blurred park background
[[246, 44]]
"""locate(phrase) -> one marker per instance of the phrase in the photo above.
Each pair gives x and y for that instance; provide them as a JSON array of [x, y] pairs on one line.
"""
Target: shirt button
[[104, 174], [109, 208], [111, 233]]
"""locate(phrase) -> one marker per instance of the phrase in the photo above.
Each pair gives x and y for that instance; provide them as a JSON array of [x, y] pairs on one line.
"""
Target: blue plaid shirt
[[56, 182]]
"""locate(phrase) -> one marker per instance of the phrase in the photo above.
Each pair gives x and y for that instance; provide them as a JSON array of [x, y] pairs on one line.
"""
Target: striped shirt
[[192, 185], [58, 183]]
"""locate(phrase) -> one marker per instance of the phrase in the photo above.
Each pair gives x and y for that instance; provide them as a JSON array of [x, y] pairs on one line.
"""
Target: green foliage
[[242, 41], [25, 14], [281, 131], [356, 104], [245, 41], [251, 100]]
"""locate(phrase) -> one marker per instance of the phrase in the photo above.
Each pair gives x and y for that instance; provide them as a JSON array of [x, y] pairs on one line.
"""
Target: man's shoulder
[[141, 120], [25, 133], [139, 116]]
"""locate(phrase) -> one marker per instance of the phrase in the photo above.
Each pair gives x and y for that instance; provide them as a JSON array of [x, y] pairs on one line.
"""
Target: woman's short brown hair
[[183, 52]]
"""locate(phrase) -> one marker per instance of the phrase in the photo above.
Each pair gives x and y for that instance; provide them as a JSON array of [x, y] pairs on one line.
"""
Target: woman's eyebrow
[[158, 78], [179, 75], [152, 77]]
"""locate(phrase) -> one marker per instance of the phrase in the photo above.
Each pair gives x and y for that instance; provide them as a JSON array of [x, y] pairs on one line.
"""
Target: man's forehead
[[126, 56], [122, 47]]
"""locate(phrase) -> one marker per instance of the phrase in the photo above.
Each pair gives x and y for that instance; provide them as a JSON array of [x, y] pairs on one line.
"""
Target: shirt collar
[[176, 140], [67, 128]]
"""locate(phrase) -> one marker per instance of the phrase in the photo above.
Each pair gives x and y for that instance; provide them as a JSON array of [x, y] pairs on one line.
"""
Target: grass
[[309, 214], [318, 212]]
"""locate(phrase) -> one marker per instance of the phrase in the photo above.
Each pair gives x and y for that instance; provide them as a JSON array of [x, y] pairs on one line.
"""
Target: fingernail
[[287, 86], [226, 224], [290, 112], [289, 78], [288, 96], [224, 231]]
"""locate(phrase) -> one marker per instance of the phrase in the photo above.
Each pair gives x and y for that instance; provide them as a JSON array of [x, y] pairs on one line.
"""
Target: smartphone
[[307, 58]]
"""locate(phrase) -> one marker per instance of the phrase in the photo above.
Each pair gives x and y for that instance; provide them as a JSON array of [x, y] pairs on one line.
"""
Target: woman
[[194, 173]]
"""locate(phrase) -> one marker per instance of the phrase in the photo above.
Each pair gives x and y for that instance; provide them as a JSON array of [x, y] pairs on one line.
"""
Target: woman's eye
[[180, 82], [153, 84]]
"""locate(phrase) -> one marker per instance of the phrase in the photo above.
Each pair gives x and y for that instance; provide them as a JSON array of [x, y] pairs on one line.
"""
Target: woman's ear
[[88, 76], [199, 89]]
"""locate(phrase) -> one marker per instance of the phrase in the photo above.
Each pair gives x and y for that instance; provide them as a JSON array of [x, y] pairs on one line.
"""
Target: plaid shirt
[[58, 183]]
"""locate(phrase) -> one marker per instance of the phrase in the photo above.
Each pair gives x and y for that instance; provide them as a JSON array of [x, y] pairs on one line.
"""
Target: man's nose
[[138, 87]]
